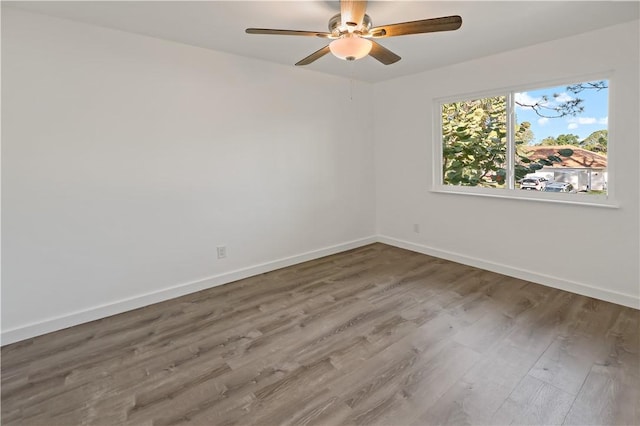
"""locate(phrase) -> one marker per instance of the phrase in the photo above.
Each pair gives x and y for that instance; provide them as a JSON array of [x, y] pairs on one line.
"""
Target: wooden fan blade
[[383, 54], [352, 11], [287, 32], [446, 23], [314, 56]]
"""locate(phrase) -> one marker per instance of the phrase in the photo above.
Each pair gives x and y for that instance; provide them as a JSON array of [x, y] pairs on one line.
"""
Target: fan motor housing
[[336, 21]]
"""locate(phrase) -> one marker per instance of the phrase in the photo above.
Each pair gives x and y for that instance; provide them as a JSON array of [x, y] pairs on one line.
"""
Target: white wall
[[513, 236], [126, 160]]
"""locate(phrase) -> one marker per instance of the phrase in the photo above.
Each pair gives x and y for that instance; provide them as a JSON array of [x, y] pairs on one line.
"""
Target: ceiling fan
[[352, 33]]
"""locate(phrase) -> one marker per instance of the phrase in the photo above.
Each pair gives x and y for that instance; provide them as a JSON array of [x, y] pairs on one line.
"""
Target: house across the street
[[585, 170]]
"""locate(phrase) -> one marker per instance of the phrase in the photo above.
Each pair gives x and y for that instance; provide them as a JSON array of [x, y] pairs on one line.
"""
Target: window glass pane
[[561, 136], [474, 142]]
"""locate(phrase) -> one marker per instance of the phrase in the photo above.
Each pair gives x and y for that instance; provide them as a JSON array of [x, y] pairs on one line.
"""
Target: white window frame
[[601, 200]]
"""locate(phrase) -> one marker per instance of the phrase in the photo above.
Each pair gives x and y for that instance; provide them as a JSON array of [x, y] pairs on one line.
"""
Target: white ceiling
[[488, 27]]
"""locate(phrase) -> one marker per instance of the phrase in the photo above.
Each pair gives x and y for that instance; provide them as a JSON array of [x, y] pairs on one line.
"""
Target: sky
[[594, 117]]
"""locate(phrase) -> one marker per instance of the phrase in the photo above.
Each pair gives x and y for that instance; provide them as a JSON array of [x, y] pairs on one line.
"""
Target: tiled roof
[[581, 158]]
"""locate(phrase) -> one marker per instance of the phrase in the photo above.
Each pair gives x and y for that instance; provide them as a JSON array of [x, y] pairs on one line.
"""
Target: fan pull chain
[[351, 89], [351, 78]]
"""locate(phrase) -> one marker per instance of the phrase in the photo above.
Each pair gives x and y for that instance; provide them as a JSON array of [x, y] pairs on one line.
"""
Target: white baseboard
[[58, 323], [535, 277]]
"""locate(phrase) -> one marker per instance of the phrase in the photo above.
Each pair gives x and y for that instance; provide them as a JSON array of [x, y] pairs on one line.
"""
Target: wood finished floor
[[376, 335]]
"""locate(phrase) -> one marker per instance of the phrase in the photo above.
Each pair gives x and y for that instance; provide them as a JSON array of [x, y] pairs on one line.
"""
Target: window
[[542, 140]]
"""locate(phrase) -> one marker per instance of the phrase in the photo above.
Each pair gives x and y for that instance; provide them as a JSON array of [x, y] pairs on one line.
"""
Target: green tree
[[568, 139], [596, 141], [474, 141], [549, 140], [524, 134]]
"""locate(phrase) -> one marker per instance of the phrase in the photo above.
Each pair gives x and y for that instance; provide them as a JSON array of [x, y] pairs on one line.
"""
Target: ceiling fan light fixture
[[352, 28], [350, 47]]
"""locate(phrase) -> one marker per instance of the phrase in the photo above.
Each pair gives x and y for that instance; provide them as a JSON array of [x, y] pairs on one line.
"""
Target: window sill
[[516, 194]]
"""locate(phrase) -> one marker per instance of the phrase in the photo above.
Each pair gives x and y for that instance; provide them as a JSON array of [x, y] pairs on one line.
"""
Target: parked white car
[[533, 183]]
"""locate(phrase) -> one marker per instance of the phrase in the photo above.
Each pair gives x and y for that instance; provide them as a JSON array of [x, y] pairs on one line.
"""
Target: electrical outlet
[[222, 252], [416, 228]]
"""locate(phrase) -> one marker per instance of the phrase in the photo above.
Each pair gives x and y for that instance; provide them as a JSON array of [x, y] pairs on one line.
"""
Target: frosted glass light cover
[[350, 47]]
